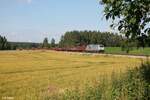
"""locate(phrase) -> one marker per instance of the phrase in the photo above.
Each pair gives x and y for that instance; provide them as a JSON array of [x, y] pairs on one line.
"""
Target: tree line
[[30, 45], [79, 38], [76, 38], [6, 45], [24, 45]]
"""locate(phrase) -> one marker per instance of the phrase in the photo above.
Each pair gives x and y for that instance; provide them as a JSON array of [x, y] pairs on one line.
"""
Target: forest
[[79, 38], [75, 38], [69, 39]]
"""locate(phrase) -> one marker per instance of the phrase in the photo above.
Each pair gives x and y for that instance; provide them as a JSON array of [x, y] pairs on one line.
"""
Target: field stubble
[[30, 74]]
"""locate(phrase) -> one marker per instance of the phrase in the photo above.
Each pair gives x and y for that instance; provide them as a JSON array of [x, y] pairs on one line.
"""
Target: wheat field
[[25, 75]]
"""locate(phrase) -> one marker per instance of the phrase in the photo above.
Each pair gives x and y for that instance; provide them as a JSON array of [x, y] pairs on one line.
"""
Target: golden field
[[27, 74]]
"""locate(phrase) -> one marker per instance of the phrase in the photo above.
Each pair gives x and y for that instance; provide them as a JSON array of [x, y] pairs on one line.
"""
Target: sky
[[33, 20]]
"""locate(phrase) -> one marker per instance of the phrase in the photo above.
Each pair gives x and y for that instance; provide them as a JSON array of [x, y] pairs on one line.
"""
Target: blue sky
[[32, 20]]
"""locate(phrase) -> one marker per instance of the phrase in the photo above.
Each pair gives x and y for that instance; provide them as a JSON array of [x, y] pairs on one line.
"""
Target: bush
[[132, 85]]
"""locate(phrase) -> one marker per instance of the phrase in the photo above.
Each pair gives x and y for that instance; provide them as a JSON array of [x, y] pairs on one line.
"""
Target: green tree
[[53, 42], [131, 17], [78, 38], [1, 41], [45, 43], [4, 44]]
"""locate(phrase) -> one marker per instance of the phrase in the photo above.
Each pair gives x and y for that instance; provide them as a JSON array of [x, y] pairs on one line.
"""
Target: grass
[[28, 75], [134, 51], [134, 84]]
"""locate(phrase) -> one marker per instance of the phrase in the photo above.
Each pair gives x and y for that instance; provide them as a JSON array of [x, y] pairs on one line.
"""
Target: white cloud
[[29, 1], [26, 1], [29, 40]]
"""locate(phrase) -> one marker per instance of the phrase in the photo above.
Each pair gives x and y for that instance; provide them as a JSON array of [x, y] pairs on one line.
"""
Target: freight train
[[95, 48]]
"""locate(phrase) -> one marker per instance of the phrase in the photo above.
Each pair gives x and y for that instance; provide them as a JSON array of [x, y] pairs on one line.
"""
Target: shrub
[[132, 85]]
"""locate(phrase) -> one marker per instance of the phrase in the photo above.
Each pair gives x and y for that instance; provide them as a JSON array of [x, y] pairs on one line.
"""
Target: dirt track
[[115, 55], [131, 56]]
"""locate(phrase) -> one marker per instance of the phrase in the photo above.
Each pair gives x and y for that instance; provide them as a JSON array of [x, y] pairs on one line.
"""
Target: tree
[[79, 38], [1, 43], [132, 17], [53, 42], [45, 43], [4, 45]]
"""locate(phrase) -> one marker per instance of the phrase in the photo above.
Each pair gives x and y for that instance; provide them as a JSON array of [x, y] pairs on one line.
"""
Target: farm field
[[134, 51], [27, 74]]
